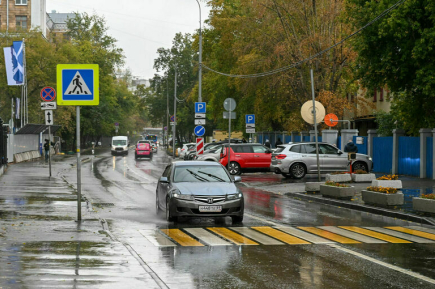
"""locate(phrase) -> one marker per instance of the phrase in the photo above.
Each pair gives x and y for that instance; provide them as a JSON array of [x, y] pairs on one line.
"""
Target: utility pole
[[167, 112], [175, 114], [200, 56]]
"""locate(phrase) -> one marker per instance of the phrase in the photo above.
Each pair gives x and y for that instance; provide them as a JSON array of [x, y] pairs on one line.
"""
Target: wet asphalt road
[[122, 193]]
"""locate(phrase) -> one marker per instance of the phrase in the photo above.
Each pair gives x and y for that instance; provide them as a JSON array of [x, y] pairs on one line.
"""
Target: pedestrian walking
[[278, 142], [350, 147], [46, 148], [267, 143]]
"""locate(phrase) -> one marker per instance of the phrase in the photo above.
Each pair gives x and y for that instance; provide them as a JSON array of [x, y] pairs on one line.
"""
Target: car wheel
[[169, 217], [359, 166], [298, 171], [237, 219], [287, 176], [234, 168]]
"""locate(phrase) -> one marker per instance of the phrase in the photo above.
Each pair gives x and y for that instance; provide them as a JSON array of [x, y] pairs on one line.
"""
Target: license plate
[[210, 208]]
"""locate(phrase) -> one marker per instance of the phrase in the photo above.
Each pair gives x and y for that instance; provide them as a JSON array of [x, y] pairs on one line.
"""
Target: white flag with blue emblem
[[18, 61]]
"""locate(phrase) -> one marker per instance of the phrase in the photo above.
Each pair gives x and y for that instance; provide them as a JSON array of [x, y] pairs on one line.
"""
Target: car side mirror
[[237, 179], [164, 180], [340, 152]]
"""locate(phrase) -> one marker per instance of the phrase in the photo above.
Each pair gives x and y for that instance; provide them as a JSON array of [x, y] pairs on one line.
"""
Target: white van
[[119, 145]]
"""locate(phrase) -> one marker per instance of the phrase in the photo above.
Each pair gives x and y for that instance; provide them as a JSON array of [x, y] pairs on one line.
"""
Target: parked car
[[295, 160], [212, 154], [143, 150], [184, 149], [198, 189], [154, 147], [246, 157]]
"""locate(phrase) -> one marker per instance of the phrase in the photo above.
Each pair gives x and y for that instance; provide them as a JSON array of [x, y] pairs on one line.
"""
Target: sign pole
[[79, 168], [315, 126], [229, 137], [49, 148], [175, 114]]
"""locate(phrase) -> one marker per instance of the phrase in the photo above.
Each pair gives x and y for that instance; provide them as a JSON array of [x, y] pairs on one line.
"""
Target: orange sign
[[331, 119]]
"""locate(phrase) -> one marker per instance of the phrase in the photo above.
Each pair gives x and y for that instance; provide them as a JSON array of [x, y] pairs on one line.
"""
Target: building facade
[[23, 15]]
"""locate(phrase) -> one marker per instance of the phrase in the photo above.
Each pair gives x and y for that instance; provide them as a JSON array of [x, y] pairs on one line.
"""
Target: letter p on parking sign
[[200, 107], [250, 118]]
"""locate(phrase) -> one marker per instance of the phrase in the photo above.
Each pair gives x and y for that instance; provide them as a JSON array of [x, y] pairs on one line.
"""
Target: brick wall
[[14, 10]]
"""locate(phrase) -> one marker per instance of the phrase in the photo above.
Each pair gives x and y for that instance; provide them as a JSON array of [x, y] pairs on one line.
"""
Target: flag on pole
[[18, 61], [9, 65]]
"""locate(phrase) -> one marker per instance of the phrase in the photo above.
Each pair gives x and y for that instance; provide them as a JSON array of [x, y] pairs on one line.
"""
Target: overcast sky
[[140, 26]]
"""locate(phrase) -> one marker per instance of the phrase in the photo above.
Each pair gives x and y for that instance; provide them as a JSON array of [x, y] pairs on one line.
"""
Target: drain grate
[[101, 205]]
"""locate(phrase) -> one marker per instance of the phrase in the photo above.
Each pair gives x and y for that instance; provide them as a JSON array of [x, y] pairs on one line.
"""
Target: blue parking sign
[[250, 118], [200, 107]]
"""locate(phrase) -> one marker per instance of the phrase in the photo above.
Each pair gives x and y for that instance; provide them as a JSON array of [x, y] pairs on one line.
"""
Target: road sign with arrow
[[48, 117]]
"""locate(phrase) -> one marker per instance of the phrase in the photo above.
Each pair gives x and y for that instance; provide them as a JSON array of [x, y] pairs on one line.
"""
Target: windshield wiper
[[213, 176], [197, 176]]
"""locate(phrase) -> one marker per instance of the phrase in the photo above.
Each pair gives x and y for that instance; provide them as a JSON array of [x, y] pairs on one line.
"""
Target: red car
[[247, 157], [143, 150]]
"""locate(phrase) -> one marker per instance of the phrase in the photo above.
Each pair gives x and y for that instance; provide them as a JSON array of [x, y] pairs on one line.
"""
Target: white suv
[[295, 160]]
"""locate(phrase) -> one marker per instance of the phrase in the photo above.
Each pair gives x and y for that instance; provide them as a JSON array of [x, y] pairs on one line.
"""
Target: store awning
[[37, 129]]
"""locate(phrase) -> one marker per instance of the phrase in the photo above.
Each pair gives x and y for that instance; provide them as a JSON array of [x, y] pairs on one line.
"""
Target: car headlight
[[370, 159], [182, 196], [234, 196]]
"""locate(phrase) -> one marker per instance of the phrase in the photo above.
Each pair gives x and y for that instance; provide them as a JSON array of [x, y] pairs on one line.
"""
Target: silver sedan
[[295, 160], [198, 189]]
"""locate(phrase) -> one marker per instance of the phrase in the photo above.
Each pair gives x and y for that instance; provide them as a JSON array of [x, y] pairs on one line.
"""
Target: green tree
[[397, 52]]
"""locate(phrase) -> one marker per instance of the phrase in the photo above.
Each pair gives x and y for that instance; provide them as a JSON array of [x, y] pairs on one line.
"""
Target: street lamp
[[200, 55]]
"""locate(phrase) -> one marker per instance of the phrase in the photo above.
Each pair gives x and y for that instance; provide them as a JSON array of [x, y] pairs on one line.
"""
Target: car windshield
[[279, 149], [197, 174], [119, 142]]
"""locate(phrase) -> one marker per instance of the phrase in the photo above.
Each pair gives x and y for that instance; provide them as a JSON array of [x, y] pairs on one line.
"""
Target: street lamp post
[[200, 55]]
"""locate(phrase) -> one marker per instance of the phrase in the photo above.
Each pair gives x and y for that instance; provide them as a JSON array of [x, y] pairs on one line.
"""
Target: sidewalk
[[43, 245]]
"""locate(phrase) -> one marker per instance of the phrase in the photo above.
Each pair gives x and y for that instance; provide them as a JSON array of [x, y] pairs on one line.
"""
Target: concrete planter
[[382, 199], [337, 192], [387, 184], [313, 186], [363, 178], [341, 178], [423, 205]]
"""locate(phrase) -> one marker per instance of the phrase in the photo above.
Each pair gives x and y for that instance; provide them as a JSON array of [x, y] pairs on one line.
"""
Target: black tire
[[237, 219], [169, 216], [359, 166], [287, 176], [297, 171], [234, 168]]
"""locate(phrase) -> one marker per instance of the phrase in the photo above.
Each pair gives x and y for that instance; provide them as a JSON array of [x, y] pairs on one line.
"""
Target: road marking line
[[389, 266], [401, 235], [413, 232], [374, 234], [207, 237], [329, 235], [157, 239], [254, 235], [231, 236], [352, 235], [286, 238], [304, 235], [182, 238], [423, 229]]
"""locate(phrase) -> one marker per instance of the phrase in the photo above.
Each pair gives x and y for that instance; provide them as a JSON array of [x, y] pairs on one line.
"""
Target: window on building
[[375, 96], [381, 95], [21, 22], [20, 2]]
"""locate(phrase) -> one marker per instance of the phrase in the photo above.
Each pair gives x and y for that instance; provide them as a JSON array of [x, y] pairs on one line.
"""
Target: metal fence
[[429, 157], [3, 144], [409, 156], [382, 154]]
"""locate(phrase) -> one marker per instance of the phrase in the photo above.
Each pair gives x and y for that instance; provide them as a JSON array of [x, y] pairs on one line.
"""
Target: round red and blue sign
[[48, 93]]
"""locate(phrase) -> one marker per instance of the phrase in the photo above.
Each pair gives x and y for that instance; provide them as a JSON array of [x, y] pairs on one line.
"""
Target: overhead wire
[[278, 70]]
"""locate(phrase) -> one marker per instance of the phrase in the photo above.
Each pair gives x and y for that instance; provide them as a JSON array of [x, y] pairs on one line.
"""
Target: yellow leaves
[[385, 190], [388, 177]]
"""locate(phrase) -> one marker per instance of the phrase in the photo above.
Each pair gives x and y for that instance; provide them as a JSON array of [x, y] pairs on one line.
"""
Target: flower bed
[[426, 203], [383, 196], [313, 186], [336, 190], [363, 178], [339, 178], [390, 181]]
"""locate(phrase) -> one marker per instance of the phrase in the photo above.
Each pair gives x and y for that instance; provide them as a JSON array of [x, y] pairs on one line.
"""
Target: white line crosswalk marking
[[207, 237], [304, 235], [256, 236], [352, 235], [401, 235]]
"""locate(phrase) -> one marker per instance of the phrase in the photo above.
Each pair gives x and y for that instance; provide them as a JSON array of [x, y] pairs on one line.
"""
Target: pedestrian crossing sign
[[78, 84]]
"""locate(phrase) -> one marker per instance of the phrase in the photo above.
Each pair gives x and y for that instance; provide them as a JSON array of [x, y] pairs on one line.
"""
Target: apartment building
[[23, 15]]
